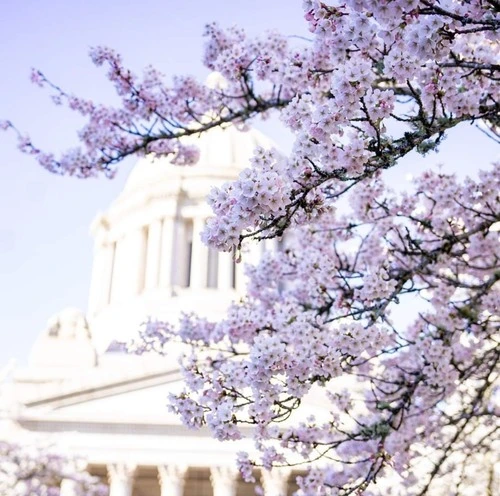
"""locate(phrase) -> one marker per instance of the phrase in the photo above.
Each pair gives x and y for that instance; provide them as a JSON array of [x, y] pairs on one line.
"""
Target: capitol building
[[110, 407]]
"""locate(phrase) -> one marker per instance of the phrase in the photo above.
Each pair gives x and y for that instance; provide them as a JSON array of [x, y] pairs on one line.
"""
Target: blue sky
[[45, 247]]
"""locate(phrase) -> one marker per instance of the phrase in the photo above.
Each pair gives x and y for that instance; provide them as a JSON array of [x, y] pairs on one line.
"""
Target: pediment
[[136, 403], [135, 395]]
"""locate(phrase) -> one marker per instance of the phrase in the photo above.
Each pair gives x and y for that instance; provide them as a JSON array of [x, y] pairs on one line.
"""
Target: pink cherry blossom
[[408, 405], [37, 470]]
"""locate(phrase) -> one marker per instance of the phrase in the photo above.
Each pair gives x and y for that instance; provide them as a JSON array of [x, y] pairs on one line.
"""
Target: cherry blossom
[[408, 405], [36, 470]]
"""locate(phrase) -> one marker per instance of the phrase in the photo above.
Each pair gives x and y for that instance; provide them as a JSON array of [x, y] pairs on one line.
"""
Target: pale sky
[[45, 247]]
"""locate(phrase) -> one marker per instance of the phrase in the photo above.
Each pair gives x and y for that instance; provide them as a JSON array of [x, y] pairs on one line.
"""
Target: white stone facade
[[110, 407]]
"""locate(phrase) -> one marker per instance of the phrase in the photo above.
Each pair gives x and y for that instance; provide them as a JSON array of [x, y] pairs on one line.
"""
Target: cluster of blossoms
[[260, 193], [40, 471], [406, 405], [412, 397]]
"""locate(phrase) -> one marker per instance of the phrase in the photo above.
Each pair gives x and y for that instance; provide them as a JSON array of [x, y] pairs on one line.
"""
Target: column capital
[[121, 472], [199, 256], [224, 480], [169, 247], [275, 481], [171, 471], [171, 478]]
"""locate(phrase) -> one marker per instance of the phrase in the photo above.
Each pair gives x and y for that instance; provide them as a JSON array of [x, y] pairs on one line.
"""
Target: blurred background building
[[111, 407]]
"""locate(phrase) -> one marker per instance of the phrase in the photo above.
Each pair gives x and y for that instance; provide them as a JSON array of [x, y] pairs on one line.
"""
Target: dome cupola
[[148, 257]]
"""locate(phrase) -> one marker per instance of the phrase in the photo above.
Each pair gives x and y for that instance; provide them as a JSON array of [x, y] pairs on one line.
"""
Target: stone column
[[199, 257], [270, 244], [121, 479], [153, 255], [241, 279], [179, 266], [275, 481], [252, 252], [118, 274], [129, 261], [69, 488], [136, 258], [213, 268], [171, 478], [167, 252], [224, 480], [102, 270], [224, 276]]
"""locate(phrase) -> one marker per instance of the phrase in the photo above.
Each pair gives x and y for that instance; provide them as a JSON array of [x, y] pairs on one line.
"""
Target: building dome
[[149, 259], [110, 407], [223, 151]]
